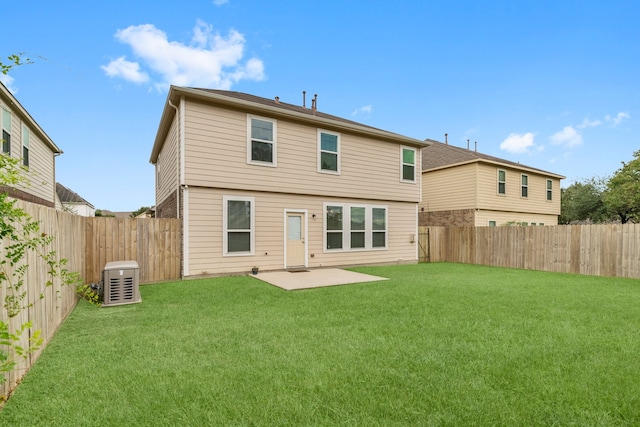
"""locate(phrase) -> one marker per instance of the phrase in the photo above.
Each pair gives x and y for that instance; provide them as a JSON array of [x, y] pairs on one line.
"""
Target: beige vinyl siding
[[205, 230], [215, 156], [536, 202], [168, 165], [449, 189], [41, 172], [483, 217]]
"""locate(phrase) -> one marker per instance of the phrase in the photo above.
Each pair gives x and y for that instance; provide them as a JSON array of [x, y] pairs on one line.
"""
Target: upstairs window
[[261, 144], [408, 160], [238, 225], [25, 145], [524, 192], [6, 131], [328, 152], [502, 181], [549, 190]]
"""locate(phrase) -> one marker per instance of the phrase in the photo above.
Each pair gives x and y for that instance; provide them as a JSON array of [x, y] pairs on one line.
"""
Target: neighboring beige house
[[463, 187], [24, 139], [73, 203], [266, 184]]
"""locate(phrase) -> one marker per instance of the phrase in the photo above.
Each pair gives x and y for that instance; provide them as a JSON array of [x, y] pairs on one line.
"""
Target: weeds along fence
[[88, 244], [600, 250]]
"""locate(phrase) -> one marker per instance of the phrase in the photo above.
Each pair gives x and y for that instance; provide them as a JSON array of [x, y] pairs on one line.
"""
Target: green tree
[[583, 201], [14, 61], [622, 196], [139, 211]]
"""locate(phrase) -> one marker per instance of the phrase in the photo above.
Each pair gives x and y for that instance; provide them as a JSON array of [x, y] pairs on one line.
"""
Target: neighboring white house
[[72, 202]]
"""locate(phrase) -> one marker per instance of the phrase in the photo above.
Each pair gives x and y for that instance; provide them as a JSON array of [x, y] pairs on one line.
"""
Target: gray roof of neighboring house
[[67, 196], [119, 214], [439, 156], [272, 107]]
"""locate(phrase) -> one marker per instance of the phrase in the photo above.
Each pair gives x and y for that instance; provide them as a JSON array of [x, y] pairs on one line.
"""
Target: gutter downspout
[[181, 189], [178, 141]]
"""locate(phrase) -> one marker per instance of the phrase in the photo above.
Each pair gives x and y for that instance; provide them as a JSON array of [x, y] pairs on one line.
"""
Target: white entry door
[[296, 244]]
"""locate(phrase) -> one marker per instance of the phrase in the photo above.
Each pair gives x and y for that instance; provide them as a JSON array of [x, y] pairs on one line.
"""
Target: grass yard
[[438, 344]]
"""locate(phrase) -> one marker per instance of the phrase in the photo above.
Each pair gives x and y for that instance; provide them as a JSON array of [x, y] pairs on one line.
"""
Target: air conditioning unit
[[120, 283]]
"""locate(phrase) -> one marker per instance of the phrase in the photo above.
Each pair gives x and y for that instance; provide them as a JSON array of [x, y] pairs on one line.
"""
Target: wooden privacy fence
[[600, 250], [153, 243], [46, 314], [88, 244]]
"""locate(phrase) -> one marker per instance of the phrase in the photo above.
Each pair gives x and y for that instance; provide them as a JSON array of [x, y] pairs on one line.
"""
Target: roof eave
[[505, 165], [25, 116], [175, 92]]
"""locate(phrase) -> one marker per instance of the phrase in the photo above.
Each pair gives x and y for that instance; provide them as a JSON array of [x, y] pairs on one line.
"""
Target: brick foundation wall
[[168, 207], [21, 195], [456, 218]]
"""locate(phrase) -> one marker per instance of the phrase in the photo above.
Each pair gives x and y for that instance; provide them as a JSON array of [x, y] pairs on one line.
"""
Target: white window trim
[[252, 230], [6, 127], [524, 186], [274, 143], [158, 183], [549, 190], [346, 227], [319, 154], [402, 163], [25, 142], [495, 223], [504, 182]]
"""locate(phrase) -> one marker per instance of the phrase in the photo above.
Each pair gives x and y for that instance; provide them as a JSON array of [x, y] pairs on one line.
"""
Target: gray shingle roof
[[440, 155], [67, 196], [283, 105]]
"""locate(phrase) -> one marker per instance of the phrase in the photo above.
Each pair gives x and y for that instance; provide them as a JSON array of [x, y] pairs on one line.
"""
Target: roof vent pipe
[[314, 103], [467, 143], [446, 140], [476, 143], [277, 100], [304, 99]]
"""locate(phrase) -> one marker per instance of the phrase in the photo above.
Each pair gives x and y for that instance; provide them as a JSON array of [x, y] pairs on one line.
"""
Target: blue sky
[[550, 84]]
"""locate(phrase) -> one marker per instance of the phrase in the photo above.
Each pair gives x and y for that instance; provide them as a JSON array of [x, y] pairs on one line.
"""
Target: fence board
[[599, 250], [88, 244]]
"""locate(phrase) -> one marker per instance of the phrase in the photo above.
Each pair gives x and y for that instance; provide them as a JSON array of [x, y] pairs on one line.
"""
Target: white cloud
[[125, 69], [617, 119], [210, 60], [220, 2], [8, 82], [516, 143], [568, 137], [365, 110], [586, 123]]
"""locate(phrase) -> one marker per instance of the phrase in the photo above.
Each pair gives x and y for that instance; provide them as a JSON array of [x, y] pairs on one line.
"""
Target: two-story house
[[462, 187], [267, 184], [22, 138]]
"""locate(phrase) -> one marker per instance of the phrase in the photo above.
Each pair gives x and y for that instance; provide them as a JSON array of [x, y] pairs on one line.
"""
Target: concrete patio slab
[[306, 279]]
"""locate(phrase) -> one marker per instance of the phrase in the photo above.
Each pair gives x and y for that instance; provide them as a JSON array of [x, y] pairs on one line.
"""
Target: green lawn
[[437, 344]]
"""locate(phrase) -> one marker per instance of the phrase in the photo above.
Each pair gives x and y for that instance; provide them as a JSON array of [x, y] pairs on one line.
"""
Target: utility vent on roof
[[120, 281]]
